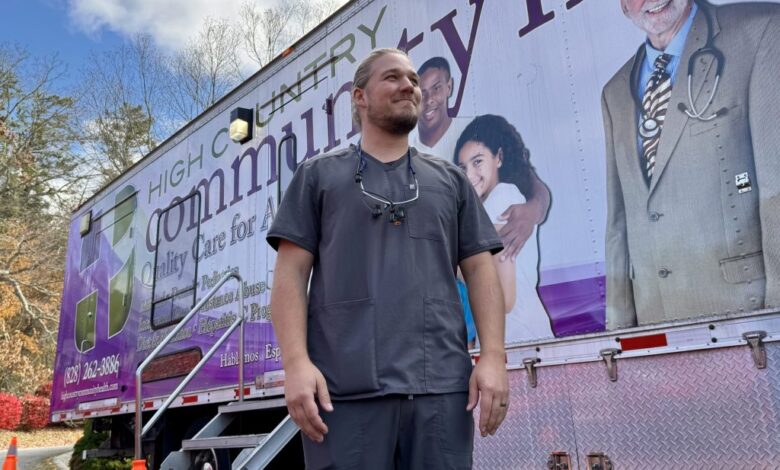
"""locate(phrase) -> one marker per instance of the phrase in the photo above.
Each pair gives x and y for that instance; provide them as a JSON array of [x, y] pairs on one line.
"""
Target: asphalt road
[[43, 458]]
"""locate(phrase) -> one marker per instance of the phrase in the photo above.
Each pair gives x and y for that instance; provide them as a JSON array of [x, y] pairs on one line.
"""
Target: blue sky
[[44, 28], [74, 29]]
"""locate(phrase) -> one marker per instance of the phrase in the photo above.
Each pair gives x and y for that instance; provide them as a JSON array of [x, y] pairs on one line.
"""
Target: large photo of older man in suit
[[692, 127]]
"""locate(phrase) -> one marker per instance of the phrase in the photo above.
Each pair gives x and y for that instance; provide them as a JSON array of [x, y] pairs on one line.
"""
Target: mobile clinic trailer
[[181, 234]]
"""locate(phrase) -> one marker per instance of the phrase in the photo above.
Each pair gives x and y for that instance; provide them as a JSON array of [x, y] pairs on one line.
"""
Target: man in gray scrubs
[[382, 229]]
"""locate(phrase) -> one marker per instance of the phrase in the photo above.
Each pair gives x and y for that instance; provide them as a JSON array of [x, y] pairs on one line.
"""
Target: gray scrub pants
[[396, 432]]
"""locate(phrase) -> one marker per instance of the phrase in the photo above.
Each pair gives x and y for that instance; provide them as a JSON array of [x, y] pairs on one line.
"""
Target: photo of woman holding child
[[492, 154]]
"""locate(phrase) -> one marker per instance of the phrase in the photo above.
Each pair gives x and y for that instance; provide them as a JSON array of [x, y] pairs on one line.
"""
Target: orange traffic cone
[[137, 465], [10, 459]]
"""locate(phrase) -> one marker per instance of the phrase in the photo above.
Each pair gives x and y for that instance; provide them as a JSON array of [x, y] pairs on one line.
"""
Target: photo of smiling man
[[693, 199], [435, 122]]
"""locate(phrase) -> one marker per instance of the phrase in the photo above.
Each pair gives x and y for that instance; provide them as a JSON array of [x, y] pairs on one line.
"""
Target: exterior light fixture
[[85, 223], [241, 125]]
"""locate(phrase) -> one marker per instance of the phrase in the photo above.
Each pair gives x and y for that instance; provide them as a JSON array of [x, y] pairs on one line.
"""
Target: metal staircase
[[257, 449]]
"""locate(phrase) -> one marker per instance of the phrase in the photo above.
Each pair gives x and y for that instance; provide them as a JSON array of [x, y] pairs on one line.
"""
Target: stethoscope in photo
[[394, 208], [649, 126]]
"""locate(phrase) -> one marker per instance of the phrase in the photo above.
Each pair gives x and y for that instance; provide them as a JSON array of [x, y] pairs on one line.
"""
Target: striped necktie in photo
[[655, 101]]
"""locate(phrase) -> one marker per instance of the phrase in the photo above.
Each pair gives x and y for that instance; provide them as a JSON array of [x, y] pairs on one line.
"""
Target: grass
[[53, 436]]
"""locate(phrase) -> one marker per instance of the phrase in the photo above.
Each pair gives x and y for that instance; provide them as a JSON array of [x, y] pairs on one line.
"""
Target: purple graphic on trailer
[[110, 320]]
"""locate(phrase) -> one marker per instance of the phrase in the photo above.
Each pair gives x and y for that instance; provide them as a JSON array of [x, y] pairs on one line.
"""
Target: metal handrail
[[238, 322]]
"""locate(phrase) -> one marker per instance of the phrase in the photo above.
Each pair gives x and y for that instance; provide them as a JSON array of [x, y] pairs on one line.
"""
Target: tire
[[211, 459]]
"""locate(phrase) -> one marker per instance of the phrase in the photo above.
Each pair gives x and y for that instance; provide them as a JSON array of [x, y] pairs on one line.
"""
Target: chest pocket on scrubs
[[432, 214]]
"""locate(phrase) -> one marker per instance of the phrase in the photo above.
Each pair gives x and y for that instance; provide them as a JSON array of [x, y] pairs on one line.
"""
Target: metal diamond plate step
[[224, 442], [238, 407]]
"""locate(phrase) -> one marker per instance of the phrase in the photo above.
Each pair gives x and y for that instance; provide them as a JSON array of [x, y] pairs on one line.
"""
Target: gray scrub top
[[384, 313]]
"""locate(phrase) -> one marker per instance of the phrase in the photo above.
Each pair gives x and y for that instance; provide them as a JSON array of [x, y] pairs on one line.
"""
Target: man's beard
[[396, 124]]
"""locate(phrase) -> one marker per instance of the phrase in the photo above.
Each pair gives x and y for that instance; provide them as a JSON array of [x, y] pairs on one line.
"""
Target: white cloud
[[171, 23]]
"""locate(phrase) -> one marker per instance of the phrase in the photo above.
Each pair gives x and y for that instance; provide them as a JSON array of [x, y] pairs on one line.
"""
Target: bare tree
[[264, 29], [266, 32], [205, 70], [152, 75], [37, 132], [311, 13], [122, 111]]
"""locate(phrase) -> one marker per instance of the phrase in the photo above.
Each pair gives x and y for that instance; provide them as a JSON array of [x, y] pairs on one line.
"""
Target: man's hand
[[521, 218], [520, 222], [489, 384], [302, 383]]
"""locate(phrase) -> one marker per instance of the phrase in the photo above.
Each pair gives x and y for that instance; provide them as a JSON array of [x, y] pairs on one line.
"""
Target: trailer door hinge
[[530, 367], [755, 341], [599, 461], [559, 461], [609, 359]]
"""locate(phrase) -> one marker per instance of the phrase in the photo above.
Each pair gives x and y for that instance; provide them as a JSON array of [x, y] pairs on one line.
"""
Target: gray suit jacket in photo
[[691, 244]]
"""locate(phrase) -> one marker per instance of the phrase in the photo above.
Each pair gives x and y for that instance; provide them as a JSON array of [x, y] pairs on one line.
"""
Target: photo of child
[[492, 154]]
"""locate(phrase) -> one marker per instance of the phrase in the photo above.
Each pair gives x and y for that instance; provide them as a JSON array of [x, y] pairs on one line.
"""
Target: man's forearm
[[539, 197], [487, 302], [289, 306]]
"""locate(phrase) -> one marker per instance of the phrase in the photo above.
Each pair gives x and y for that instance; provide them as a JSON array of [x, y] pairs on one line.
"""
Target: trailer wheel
[[211, 459]]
